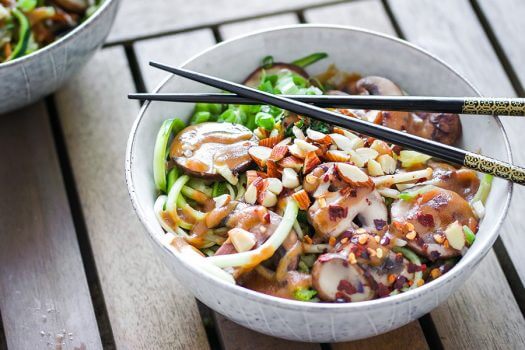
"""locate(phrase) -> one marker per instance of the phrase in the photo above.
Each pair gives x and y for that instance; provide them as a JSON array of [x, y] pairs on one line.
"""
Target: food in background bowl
[[299, 209], [28, 25]]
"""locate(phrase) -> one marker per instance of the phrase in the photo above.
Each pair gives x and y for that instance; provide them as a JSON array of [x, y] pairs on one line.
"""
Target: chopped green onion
[[213, 108], [267, 62], [200, 117], [304, 294], [411, 195], [310, 59], [24, 33], [265, 120], [410, 158], [484, 189], [160, 153], [26, 5], [469, 235]]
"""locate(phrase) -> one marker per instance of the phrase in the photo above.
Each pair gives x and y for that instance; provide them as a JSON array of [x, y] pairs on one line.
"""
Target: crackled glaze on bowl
[[29, 78], [352, 50]]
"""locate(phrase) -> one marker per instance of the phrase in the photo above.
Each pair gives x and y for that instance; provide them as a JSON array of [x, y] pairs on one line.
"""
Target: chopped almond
[[260, 155], [271, 141], [291, 162], [310, 162], [278, 153], [302, 199]]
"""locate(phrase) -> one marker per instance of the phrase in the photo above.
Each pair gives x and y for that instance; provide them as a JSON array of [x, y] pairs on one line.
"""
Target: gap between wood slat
[[86, 254], [217, 24], [393, 20], [3, 340], [140, 86], [505, 62], [511, 274]]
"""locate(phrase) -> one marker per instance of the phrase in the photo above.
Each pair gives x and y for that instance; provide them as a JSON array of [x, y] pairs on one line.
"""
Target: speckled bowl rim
[[63, 40], [319, 307]]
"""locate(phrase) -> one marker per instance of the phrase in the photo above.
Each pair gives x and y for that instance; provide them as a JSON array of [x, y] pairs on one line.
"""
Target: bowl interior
[[352, 50]]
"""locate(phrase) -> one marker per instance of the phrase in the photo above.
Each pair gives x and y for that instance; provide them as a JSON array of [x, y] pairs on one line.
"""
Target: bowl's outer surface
[[31, 77], [352, 50]]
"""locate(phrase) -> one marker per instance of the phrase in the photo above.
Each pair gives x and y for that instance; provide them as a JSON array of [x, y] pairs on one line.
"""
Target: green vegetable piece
[[213, 108], [484, 189], [265, 120], [304, 294], [160, 151], [24, 33], [200, 117], [469, 235], [310, 59], [411, 195], [302, 267], [173, 175], [219, 188], [26, 5], [267, 62]]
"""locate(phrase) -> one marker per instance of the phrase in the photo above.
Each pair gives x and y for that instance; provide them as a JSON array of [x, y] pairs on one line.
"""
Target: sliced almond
[[290, 178], [296, 151], [343, 142], [374, 168], [274, 185], [268, 199], [241, 239], [455, 235], [381, 147], [222, 200], [251, 175], [345, 132], [250, 196], [260, 155], [291, 162], [305, 146], [337, 156], [356, 159], [298, 133], [318, 137], [302, 199], [310, 162], [285, 142], [352, 174], [272, 170], [227, 174], [367, 153], [388, 164], [310, 183], [279, 152], [271, 141]]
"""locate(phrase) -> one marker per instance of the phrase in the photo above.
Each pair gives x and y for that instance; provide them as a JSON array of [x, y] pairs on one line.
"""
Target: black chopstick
[[435, 149], [459, 105]]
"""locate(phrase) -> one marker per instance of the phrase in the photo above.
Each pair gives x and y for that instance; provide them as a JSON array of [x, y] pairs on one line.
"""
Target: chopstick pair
[[458, 105], [435, 149]]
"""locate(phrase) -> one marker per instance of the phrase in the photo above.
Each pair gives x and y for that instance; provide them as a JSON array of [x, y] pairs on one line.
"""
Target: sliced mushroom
[[429, 215], [254, 79], [201, 149], [464, 182], [78, 6], [374, 85], [341, 196], [441, 127]]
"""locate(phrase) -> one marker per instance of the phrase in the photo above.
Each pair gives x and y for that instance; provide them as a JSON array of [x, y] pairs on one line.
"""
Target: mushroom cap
[[335, 278], [77, 6], [199, 148], [254, 78]]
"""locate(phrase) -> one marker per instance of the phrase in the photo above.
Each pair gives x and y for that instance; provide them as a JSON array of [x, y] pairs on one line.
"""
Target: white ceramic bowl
[[351, 49], [29, 78]]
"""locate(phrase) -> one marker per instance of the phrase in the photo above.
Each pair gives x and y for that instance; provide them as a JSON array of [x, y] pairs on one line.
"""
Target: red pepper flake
[[411, 268], [382, 290], [337, 212], [267, 218], [400, 282], [346, 287], [426, 220]]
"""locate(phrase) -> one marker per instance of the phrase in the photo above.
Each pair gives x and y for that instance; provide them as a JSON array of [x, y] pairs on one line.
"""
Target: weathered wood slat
[[232, 30], [146, 306], [484, 309], [235, 337], [365, 14], [172, 49], [135, 20], [44, 296], [506, 18], [370, 15], [232, 335]]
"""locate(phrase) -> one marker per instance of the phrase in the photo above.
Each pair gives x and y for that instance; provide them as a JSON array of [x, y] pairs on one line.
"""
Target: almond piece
[[290, 178], [318, 136], [455, 235], [227, 174], [374, 168], [345, 132], [305, 146], [388, 164], [268, 199], [298, 133], [352, 174], [356, 159], [291, 162], [367, 153], [272, 170], [250, 176], [279, 152], [381, 147], [343, 142], [302, 199], [250, 196], [241, 239], [337, 156], [297, 151], [222, 200], [271, 141], [310, 162], [285, 142], [274, 185], [260, 155]]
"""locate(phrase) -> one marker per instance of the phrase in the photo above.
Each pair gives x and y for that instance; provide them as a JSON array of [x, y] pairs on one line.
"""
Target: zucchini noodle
[[171, 202], [267, 249]]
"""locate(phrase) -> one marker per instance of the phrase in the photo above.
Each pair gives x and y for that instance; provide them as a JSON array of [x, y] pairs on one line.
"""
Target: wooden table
[[76, 269]]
